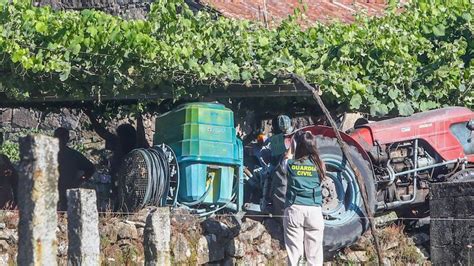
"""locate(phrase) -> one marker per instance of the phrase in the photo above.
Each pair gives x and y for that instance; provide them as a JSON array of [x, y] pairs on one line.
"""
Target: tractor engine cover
[[436, 127]]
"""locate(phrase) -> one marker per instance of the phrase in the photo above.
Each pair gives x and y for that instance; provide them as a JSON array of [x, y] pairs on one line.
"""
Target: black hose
[[152, 176], [203, 197], [159, 177]]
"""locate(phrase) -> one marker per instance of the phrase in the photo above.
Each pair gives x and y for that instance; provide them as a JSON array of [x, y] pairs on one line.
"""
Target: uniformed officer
[[303, 220]]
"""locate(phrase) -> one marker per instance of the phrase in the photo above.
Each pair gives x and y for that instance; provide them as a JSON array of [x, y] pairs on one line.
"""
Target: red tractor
[[399, 159]]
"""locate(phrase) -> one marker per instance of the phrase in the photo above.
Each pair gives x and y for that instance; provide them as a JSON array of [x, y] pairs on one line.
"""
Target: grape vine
[[414, 60]]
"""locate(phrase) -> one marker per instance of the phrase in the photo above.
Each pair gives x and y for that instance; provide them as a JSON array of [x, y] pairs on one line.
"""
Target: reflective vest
[[303, 184]]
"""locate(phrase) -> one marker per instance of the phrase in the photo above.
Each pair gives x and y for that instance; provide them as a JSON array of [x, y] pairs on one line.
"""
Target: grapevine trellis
[[415, 58]]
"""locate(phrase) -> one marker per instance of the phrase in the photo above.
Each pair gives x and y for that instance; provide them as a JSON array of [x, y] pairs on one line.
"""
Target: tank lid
[[212, 105]]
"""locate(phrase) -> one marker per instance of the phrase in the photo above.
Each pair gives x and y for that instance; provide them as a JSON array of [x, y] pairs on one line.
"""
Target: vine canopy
[[414, 60]]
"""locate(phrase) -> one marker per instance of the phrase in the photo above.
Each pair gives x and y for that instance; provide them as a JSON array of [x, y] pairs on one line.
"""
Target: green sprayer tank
[[210, 156]]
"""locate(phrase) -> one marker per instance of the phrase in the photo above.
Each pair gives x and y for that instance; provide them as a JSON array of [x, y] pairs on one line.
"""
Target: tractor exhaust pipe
[[383, 206], [393, 175], [393, 205]]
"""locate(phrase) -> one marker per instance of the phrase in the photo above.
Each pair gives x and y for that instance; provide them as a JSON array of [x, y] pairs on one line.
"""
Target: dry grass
[[396, 247]]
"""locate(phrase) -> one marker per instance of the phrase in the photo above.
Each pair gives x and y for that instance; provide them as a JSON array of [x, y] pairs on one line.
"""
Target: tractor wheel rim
[[341, 194]]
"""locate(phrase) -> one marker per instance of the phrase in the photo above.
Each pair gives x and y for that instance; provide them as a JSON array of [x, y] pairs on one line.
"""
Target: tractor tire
[[343, 207]]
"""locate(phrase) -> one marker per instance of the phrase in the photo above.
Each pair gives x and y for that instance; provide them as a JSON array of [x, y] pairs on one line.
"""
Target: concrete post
[[83, 227], [157, 237], [38, 198]]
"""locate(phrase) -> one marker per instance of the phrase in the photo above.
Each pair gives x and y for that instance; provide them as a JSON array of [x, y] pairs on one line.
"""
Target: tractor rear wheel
[[343, 207]]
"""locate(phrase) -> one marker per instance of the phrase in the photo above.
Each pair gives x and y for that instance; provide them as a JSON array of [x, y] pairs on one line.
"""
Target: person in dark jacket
[[74, 168], [303, 219], [125, 140]]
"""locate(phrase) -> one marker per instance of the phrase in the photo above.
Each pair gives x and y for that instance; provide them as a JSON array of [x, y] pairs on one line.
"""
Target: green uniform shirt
[[303, 184]]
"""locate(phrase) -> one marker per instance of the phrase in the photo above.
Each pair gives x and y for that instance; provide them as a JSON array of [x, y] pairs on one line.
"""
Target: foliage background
[[413, 59], [11, 150]]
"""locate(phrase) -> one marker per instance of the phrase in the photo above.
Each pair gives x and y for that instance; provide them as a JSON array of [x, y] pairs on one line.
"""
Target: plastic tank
[[209, 154]]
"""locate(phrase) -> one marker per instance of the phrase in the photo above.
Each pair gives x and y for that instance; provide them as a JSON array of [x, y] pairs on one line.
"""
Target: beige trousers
[[304, 227]]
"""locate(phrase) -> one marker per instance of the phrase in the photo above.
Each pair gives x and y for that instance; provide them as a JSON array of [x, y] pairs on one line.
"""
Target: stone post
[[452, 223], [83, 227], [157, 237], [37, 200]]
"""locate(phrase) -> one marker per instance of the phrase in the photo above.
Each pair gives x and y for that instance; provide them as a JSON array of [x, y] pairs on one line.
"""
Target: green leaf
[[467, 16], [208, 68], [426, 29], [439, 30], [358, 87], [75, 48], [355, 102], [263, 41], [393, 94], [92, 31], [405, 108], [428, 105], [378, 109], [63, 76], [246, 75], [192, 63], [17, 55], [41, 27], [323, 58]]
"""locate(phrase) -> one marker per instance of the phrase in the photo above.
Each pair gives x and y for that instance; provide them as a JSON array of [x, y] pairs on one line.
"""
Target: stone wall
[[452, 223], [224, 241], [128, 9], [21, 121], [193, 241], [215, 241]]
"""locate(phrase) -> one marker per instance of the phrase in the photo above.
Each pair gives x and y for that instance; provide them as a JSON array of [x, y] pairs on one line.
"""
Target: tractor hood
[[433, 126]]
